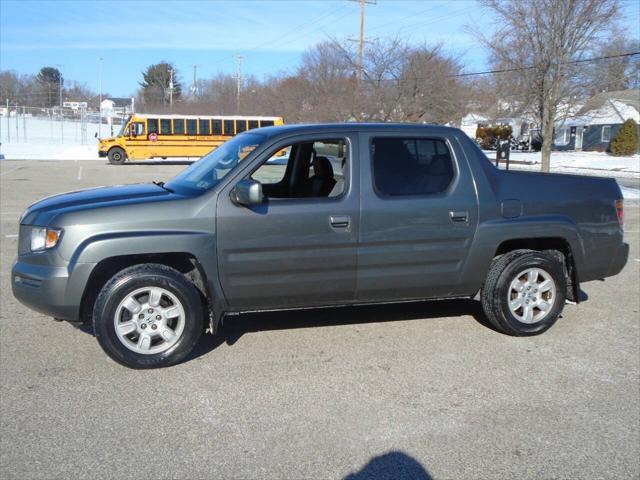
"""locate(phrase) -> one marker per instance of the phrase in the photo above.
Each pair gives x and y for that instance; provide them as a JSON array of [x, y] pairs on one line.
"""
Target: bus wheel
[[117, 156]]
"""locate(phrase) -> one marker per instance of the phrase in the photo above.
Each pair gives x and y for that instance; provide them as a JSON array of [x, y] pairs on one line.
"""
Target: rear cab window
[[405, 166]]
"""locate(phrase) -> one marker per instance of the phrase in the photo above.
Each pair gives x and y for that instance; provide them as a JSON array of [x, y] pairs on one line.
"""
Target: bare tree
[[431, 92], [542, 39], [610, 74]]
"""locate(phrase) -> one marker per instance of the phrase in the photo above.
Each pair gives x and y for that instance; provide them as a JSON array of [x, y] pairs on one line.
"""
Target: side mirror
[[96, 135], [247, 192]]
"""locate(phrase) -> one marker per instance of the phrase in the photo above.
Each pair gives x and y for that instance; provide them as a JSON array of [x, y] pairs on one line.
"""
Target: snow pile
[[587, 163]]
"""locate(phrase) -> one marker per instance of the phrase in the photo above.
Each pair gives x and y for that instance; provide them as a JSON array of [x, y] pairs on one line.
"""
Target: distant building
[[117, 107], [597, 122], [75, 105]]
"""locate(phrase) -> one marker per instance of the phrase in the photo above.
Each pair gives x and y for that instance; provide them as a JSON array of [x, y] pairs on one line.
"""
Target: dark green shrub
[[487, 137], [626, 140]]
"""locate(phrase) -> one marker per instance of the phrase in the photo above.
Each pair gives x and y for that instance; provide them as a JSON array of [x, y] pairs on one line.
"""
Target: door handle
[[459, 217], [341, 221]]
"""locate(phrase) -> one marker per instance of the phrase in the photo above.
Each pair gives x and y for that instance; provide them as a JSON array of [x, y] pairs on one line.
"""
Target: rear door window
[[411, 166]]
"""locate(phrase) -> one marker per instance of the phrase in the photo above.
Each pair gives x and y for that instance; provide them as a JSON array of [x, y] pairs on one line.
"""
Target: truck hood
[[44, 211]]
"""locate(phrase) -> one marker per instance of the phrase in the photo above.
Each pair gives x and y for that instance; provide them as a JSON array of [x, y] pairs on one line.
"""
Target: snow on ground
[[38, 138], [585, 163], [33, 151], [630, 193]]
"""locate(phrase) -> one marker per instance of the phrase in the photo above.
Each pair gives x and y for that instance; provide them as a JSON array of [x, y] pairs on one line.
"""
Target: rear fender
[[493, 233]]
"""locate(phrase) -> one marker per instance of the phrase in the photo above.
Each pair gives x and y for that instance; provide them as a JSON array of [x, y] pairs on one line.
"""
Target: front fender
[[98, 248]]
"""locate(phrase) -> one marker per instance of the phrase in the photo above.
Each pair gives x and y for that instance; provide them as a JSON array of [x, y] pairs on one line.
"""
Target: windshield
[[210, 169], [124, 125]]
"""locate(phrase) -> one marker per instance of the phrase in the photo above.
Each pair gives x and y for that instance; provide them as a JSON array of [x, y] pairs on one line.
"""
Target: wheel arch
[[558, 247], [184, 262]]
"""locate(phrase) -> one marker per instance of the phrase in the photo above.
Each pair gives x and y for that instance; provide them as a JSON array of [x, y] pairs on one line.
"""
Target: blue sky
[[271, 34]]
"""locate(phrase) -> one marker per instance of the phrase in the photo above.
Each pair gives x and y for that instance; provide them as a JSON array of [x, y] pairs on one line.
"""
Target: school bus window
[[205, 127], [137, 129], [165, 126], [178, 126], [152, 125], [253, 124], [191, 127], [241, 126], [217, 127], [266, 123], [228, 127]]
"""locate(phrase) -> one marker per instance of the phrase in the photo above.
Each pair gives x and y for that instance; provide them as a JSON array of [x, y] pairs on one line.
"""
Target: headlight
[[43, 238]]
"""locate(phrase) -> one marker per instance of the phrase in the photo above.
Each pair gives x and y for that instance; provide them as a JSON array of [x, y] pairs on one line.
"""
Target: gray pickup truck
[[305, 216]]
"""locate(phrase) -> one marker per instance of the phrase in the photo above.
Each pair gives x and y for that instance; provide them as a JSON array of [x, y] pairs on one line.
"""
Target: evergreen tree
[[156, 82], [626, 140], [49, 82]]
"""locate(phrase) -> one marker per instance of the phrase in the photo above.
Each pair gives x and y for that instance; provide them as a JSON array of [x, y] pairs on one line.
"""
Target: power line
[[531, 67]]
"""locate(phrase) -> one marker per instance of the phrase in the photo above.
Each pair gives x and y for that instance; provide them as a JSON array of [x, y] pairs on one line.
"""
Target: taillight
[[620, 210]]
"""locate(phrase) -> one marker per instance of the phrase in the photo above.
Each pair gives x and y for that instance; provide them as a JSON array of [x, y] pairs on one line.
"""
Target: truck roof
[[351, 126]]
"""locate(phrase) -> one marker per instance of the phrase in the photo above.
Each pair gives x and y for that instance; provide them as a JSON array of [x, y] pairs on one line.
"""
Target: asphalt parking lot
[[422, 390]]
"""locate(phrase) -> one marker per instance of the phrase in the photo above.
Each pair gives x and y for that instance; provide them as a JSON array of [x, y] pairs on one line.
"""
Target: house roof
[[120, 102], [629, 97], [608, 108]]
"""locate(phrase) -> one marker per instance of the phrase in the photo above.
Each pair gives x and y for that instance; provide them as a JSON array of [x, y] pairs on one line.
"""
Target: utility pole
[[194, 85], [59, 65], [8, 115], [100, 97], [170, 88], [363, 4], [239, 59]]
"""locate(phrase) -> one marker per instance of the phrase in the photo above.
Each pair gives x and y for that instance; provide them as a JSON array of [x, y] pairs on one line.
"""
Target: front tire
[[117, 156], [524, 292], [148, 316]]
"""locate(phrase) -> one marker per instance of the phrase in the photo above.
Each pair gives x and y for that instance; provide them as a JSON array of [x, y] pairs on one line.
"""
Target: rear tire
[[148, 316], [524, 292], [117, 156]]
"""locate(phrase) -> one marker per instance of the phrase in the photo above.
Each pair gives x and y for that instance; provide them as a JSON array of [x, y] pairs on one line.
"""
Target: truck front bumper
[[48, 289], [102, 154]]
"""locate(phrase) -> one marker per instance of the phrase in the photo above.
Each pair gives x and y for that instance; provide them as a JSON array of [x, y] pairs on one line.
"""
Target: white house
[[117, 107]]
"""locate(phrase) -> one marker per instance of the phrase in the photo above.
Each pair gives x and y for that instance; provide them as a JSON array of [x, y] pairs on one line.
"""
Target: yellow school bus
[[145, 136]]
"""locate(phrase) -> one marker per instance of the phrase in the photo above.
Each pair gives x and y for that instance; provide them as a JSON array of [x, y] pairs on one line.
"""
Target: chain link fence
[[73, 126]]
